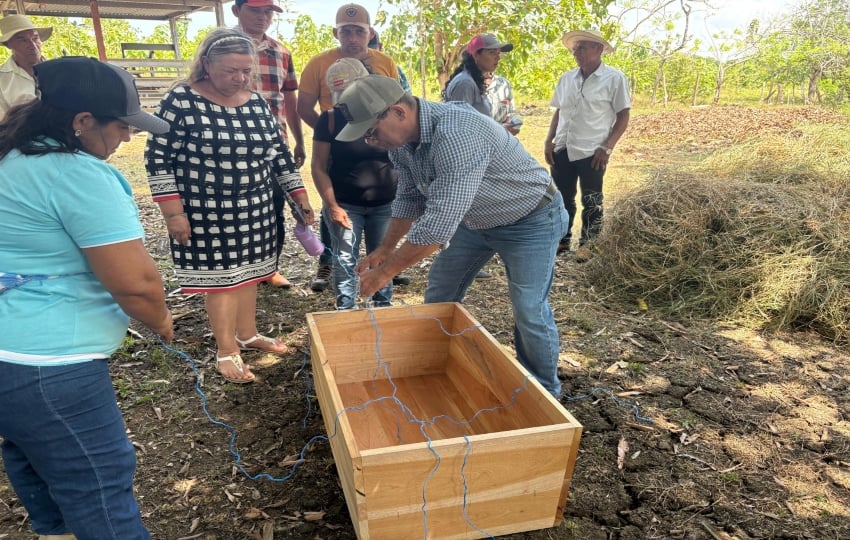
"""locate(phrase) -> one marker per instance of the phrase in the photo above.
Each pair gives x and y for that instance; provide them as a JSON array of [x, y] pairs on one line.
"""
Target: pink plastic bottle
[[308, 239]]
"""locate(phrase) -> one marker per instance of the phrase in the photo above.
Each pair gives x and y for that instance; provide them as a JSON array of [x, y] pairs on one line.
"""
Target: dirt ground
[[720, 432]]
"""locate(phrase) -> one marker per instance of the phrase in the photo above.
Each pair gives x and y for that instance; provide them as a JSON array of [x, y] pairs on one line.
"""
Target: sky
[[727, 15], [323, 12]]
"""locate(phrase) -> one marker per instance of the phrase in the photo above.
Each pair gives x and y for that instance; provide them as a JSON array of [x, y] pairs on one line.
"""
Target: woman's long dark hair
[[468, 64], [26, 127]]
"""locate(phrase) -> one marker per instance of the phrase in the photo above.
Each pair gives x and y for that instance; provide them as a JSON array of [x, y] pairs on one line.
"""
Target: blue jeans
[[368, 221], [325, 259], [528, 249], [66, 452]]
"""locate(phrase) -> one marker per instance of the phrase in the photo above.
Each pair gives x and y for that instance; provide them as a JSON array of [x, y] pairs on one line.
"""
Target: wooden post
[[219, 14], [175, 38], [98, 32]]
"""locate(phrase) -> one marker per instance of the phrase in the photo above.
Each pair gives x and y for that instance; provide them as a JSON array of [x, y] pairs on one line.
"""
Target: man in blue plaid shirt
[[468, 187]]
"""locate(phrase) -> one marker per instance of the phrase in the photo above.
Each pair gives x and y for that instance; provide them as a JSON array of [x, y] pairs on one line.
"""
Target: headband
[[226, 39]]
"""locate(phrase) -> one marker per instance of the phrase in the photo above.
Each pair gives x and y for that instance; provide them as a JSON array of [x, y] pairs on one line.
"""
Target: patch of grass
[[122, 387], [731, 478], [162, 361]]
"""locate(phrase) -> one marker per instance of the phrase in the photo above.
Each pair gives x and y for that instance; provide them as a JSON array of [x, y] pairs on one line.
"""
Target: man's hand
[[549, 152], [372, 273], [513, 129], [372, 281], [372, 260], [600, 160]]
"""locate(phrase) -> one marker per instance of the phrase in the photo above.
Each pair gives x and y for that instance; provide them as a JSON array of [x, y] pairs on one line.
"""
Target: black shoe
[[482, 274], [323, 278], [563, 246], [401, 280]]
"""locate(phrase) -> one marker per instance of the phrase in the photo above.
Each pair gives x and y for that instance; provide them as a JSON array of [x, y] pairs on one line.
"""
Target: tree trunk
[[718, 82], [695, 92], [659, 78], [423, 65], [814, 91], [770, 90], [780, 94]]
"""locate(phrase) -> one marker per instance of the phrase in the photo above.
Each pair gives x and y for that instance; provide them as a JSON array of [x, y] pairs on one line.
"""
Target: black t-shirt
[[361, 175]]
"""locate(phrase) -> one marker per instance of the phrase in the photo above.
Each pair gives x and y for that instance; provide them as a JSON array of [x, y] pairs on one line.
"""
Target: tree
[[821, 30], [729, 49], [441, 28], [309, 40], [654, 25]]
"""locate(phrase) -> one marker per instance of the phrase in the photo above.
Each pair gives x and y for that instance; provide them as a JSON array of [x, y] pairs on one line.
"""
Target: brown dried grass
[[759, 233]]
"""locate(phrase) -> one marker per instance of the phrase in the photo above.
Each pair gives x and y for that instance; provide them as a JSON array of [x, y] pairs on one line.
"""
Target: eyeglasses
[[371, 135]]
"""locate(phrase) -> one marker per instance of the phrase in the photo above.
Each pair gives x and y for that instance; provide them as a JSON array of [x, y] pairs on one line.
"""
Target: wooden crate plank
[[506, 488]]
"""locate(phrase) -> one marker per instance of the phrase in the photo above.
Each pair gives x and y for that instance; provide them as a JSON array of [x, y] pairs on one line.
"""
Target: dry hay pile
[[728, 241]]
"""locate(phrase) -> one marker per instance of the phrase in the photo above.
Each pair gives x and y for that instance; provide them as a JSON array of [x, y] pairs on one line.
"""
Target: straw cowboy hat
[[571, 38], [12, 24]]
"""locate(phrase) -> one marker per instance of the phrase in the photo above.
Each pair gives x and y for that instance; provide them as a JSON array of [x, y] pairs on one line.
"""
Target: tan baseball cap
[[342, 73], [353, 14]]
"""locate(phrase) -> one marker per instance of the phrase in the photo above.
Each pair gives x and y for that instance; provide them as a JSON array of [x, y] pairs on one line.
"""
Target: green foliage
[[803, 59], [309, 40], [439, 30]]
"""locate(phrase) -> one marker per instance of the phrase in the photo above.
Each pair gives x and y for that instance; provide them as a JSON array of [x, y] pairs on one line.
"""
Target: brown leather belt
[[548, 197]]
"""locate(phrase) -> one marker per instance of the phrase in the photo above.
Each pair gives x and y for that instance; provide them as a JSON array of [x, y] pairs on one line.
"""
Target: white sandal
[[238, 364], [245, 345]]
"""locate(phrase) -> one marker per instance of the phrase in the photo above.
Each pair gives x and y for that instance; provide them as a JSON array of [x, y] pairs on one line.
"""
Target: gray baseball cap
[[364, 101]]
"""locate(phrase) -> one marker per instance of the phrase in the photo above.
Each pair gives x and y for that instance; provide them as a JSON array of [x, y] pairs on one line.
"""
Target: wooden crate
[[499, 451]]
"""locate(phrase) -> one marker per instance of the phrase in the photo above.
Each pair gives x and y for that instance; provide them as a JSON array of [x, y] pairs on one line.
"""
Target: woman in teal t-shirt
[[73, 270]]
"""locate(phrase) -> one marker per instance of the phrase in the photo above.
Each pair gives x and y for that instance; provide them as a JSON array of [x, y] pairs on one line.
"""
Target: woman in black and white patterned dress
[[212, 176]]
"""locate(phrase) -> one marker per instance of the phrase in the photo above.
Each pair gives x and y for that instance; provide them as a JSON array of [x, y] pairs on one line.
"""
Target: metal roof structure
[[159, 10], [153, 10]]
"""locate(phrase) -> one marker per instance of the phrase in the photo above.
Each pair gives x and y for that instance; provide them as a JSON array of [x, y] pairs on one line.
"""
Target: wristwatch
[[606, 150]]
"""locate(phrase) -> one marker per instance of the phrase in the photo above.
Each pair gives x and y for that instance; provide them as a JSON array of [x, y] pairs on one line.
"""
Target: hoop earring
[[77, 133]]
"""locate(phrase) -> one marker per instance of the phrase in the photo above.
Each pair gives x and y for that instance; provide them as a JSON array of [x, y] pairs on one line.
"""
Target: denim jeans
[[66, 451], [325, 259], [527, 249], [569, 176], [368, 221]]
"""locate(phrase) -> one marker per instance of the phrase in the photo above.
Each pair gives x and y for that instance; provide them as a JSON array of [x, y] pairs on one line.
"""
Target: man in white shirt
[[592, 112], [17, 78]]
